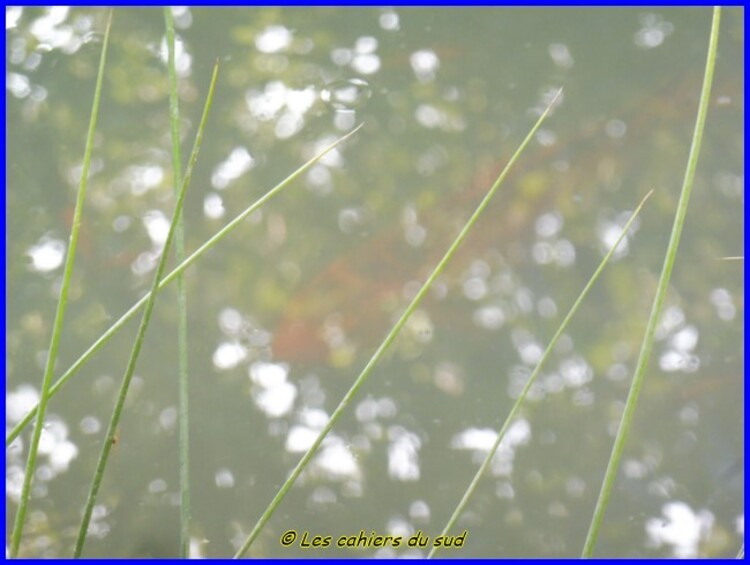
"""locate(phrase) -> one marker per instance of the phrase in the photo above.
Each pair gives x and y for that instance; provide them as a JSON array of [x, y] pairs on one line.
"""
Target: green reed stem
[[661, 292], [517, 405], [45, 393], [197, 254], [120, 404], [389, 339], [182, 339]]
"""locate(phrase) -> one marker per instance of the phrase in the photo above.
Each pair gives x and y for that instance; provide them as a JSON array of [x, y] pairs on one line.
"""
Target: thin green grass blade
[[661, 292], [182, 339], [120, 404], [389, 338], [517, 405], [197, 254], [45, 393]]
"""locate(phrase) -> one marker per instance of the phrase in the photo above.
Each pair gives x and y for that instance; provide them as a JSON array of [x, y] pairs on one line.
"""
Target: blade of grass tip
[[197, 254], [61, 306], [517, 405], [389, 338], [661, 291], [182, 339], [120, 403]]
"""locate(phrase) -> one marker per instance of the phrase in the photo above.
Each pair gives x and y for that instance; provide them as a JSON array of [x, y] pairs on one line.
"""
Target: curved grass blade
[[661, 292], [120, 404], [45, 394], [390, 338], [517, 405], [182, 339], [197, 254]]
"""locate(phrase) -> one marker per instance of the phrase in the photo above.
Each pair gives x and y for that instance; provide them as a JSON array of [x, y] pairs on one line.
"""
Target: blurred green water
[[446, 94]]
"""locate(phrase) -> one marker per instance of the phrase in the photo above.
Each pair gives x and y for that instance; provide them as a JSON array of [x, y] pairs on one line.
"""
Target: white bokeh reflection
[[414, 232], [610, 229], [490, 317], [157, 486], [244, 340], [653, 32], [680, 527], [224, 478], [547, 95], [576, 371], [528, 348], [273, 39], [449, 378], [229, 354], [183, 61], [230, 321], [271, 391], [549, 247], [90, 425], [672, 318], [680, 339], [157, 227], [281, 104], [561, 55], [18, 85], [332, 159], [549, 224], [183, 17], [432, 117], [138, 178], [335, 460], [481, 440], [389, 21], [425, 64], [724, 304], [233, 167], [431, 161], [213, 206], [341, 56], [365, 61], [19, 402], [319, 180], [419, 511], [56, 453], [53, 31], [403, 454], [353, 219], [12, 15], [46, 255]]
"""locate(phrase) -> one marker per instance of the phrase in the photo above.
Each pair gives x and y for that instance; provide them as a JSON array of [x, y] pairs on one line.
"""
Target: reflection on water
[[286, 310]]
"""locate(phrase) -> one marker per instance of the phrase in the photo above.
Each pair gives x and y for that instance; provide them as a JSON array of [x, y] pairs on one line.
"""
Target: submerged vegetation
[[457, 319]]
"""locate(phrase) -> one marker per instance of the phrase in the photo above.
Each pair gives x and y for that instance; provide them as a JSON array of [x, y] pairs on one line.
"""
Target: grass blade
[[197, 254], [119, 405], [389, 338], [45, 393], [517, 405], [661, 291], [182, 339]]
